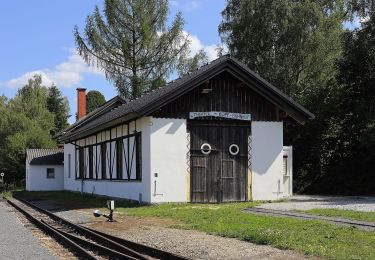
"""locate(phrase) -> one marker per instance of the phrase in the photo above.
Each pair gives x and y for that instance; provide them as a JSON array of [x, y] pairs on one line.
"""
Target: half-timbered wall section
[[160, 145], [222, 93], [114, 154]]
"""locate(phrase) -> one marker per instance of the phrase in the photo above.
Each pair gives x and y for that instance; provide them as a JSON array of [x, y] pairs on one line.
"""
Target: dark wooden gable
[[228, 94]]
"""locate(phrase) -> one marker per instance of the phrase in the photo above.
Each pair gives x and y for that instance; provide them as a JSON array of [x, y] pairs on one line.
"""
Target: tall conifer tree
[[133, 45], [59, 106]]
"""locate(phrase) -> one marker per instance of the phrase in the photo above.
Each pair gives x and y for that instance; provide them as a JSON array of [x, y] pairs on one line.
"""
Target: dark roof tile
[[141, 105], [53, 156]]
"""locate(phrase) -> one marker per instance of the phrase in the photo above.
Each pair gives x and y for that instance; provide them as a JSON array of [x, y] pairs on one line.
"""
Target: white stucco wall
[[164, 150], [168, 160], [267, 160], [36, 178], [121, 189]]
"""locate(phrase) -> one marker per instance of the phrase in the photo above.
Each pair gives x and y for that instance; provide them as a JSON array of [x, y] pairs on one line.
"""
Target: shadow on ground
[[70, 200]]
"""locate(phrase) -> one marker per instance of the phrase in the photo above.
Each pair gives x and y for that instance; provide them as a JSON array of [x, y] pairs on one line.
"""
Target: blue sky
[[36, 37]]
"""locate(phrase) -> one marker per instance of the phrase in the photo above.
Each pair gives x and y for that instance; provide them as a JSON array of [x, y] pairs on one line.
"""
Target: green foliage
[[302, 48], [25, 123], [353, 129], [94, 99], [133, 44], [59, 107], [344, 140], [189, 64], [293, 44]]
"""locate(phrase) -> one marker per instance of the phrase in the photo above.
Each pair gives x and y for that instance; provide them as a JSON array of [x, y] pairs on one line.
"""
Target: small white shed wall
[[121, 189], [36, 178], [267, 160], [169, 149]]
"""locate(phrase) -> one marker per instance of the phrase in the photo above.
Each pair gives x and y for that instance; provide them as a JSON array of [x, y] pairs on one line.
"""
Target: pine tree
[[59, 106]]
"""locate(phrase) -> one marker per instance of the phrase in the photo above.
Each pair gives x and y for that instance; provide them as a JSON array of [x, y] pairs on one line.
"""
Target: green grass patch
[[73, 200], [6, 194], [348, 214], [306, 236]]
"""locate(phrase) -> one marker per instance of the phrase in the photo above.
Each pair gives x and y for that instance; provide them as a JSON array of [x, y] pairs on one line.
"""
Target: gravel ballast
[[305, 202], [193, 244], [199, 245], [16, 241]]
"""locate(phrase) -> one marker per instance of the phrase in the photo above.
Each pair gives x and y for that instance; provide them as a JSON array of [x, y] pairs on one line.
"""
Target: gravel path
[[16, 241], [199, 245], [304, 202]]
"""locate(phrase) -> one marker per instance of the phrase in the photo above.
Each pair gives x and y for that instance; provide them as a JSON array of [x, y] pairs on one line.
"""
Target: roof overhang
[[145, 107]]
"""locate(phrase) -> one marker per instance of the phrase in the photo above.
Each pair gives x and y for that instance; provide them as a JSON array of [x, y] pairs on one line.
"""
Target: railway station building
[[213, 135]]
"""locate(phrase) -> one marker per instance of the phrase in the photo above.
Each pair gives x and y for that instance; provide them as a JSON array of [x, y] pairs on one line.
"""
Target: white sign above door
[[237, 116]]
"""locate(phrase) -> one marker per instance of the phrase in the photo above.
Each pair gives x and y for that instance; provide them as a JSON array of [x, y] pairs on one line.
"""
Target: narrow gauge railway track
[[281, 213], [87, 243]]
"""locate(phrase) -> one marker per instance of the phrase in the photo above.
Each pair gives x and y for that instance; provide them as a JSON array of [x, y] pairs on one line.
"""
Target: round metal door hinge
[[234, 149], [206, 148]]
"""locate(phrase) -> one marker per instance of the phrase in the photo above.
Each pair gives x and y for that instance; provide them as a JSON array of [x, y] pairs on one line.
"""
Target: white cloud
[[365, 19], [187, 5], [70, 72], [196, 45], [66, 74]]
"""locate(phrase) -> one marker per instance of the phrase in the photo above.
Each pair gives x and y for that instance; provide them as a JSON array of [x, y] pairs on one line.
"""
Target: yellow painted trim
[[249, 182], [187, 187]]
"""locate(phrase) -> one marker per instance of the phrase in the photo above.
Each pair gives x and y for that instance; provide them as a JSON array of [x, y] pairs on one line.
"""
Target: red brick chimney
[[81, 99]]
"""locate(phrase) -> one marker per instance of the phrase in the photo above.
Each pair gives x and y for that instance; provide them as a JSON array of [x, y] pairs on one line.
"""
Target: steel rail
[[153, 252], [80, 251], [95, 247], [128, 247], [87, 233], [272, 212]]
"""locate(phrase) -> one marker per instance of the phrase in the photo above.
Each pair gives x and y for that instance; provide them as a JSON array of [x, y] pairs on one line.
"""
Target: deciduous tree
[[293, 44], [299, 47], [94, 99], [25, 122]]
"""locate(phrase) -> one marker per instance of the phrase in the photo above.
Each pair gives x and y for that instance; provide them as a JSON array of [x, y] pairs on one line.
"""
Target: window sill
[[108, 180]]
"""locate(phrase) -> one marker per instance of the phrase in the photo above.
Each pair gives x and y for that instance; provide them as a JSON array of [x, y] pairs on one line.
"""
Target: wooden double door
[[218, 161]]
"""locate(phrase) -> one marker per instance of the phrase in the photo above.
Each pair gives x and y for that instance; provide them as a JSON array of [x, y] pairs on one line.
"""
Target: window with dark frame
[[119, 158], [91, 162], [125, 156], [50, 173], [103, 157], [69, 164], [122, 154], [81, 163], [138, 157]]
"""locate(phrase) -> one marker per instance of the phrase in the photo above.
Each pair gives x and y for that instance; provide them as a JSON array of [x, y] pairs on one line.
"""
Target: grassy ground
[[348, 214], [305, 236], [6, 194]]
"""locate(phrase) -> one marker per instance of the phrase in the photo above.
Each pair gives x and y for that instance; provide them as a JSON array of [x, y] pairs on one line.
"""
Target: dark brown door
[[218, 157]]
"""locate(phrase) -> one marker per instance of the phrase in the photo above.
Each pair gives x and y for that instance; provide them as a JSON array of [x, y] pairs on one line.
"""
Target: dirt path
[[193, 244]]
